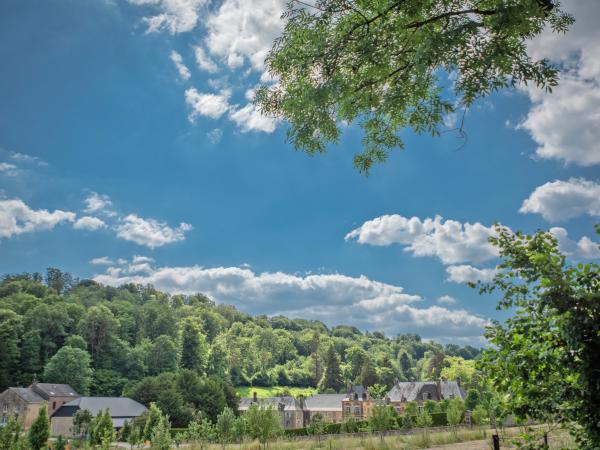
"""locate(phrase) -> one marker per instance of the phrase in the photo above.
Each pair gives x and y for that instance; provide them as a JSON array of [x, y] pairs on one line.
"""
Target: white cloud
[[138, 259], [22, 157], [333, 298], [209, 105], [176, 16], [465, 274], [9, 169], [89, 223], [177, 59], [150, 232], [562, 200], [98, 203], [242, 31], [17, 218], [215, 135], [102, 261], [249, 118], [447, 300], [564, 123], [451, 241], [585, 248], [204, 61]]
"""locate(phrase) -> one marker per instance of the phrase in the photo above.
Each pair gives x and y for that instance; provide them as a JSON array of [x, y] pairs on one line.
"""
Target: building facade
[[290, 410], [421, 391]]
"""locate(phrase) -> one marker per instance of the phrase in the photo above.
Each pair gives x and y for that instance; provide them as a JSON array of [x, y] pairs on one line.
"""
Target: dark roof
[[47, 390], [118, 406], [409, 391], [287, 403], [357, 390], [324, 402], [27, 394]]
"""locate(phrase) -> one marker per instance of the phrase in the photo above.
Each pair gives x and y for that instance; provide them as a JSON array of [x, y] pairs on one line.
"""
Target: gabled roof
[[324, 402], [286, 403], [47, 390], [356, 390], [409, 391], [27, 394], [118, 406]]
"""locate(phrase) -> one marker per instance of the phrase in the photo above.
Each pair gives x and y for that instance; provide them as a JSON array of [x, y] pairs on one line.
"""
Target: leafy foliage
[[383, 64], [39, 433]]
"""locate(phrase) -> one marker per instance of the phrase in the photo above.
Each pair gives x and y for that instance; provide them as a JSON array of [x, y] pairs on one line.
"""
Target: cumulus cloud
[[102, 261], [564, 123], [18, 218], [95, 202], [177, 59], [150, 232], [209, 105], [333, 298], [89, 223], [8, 169], [204, 61], [175, 16], [240, 31], [585, 248], [249, 118], [562, 200], [447, 300], [465, 273], [451, 241]]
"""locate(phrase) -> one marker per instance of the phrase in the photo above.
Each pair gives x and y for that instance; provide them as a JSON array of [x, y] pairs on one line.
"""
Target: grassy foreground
[[475, 439], [247, 391]]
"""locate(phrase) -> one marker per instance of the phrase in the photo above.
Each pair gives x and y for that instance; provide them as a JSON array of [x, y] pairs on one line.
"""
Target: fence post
[[496, 441]]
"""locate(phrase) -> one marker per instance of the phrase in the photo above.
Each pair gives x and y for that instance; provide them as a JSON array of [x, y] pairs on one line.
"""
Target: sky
[[130, 151]]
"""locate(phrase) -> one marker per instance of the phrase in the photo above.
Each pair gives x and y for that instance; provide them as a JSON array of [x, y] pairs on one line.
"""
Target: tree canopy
[[395, 64]]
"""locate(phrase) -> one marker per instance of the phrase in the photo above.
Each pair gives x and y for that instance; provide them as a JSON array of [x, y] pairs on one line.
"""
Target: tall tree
[[368, 375], [58, 280], [10, 327], [194, 348], [383, 64], [544, 359], [332, 378], [70, 366], [98, 327], [162, 356]]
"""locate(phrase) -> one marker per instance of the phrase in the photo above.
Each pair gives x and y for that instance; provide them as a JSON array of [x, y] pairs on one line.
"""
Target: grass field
[[247, 391]]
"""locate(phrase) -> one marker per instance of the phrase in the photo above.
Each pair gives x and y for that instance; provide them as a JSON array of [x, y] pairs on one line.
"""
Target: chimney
[[255, 397]]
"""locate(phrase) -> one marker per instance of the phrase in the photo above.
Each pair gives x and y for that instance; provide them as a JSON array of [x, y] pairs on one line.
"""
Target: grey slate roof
[[356, 390], [324, 402], [288, 403], [27, 394], [47, 390], [410, 390], [118, 406]]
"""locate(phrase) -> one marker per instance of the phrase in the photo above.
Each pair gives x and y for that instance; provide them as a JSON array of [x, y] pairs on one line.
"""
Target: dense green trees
[[383, 65], [70, 366], [544, 360], [332, 378]]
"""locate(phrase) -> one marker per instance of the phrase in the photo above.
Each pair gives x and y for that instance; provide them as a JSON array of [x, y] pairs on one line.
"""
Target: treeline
[[183, 352]]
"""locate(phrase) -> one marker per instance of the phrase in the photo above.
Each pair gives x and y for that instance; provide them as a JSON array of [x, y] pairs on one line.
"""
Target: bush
[[333, 428], [439, 419], [296, 432]]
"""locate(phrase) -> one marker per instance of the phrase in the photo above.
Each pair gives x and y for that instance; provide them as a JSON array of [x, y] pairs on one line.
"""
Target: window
[[347, 409], [357, 410]]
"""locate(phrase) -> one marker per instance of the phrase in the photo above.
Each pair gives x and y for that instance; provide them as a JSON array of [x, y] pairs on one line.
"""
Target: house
[[25, 403], [328, 405], [290, 410], [421, 391], [121, 409], [356, 403]]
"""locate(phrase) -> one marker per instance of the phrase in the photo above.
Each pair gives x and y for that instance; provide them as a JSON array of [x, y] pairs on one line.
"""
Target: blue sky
[[130, 151]]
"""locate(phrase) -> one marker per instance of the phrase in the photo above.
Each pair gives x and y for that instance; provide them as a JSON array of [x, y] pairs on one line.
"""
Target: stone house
[[25, 403], [356, 403], [121, 409], [421, 391], [291, 414], [328, 405]]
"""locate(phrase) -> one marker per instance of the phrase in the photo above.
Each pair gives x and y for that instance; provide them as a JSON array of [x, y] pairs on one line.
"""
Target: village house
[[421, 391], [121, 409], [356, 403], [328, 405], [290, 409], [24, 403]]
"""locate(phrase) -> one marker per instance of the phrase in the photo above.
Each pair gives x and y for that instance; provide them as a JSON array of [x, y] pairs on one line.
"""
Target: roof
[[356, 390], [286, 403], [325, 402], [47, 390], [118, 406], [27, 394], [409, 391]]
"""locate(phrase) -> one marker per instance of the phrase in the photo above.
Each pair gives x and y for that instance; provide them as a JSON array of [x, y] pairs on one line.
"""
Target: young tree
[[332, 378], [479, 415], [316, 427], [102, 433], [60, 443], [383, 64], [424, 419], [472, 399], [382, 418], [82, 421], [161, 434], [154, 415], [40, 430], [545, 358], [11, 436], [455, 411], [70, 366], [200, 430], [263, 423], [225, 426]]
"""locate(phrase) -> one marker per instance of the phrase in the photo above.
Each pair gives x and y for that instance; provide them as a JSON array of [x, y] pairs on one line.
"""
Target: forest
[[187, 353]]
